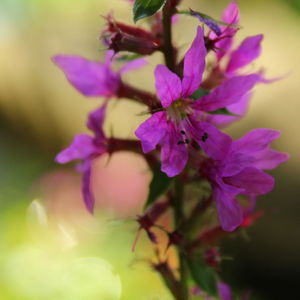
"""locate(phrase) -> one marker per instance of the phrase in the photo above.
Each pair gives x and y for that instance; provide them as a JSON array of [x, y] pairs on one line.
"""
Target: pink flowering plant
[[182, 138]]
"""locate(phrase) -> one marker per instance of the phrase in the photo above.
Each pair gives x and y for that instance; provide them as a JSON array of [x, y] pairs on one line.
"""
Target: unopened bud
[[124, 42], [122, 37]]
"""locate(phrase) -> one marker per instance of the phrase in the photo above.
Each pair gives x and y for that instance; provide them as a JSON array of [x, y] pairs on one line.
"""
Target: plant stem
[[168, 49], [168, 278], [178, 220], [177, 199], [197, 211], [130, 92]]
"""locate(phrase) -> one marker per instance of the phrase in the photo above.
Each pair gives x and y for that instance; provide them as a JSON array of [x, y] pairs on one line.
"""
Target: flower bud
[[121, 37], [124, 42]]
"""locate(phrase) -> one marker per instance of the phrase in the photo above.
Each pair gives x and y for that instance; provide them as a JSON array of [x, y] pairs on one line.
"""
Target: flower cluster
[[183, 133], [185, 124]]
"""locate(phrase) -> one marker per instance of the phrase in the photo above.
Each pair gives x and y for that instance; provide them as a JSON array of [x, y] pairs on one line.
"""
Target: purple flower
[[236, 61], [181, 125], [223, 44], [92, 78], [85, 147], [240, 173], [249, 49], [224, 291]]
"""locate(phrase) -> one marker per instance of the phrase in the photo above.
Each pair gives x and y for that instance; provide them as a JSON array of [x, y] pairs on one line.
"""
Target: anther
[[180, 142], [195, 145], [204, 137], [182, 131], [187, 141]]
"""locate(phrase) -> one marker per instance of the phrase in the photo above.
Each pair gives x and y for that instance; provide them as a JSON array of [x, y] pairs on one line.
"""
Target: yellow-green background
[[46, 253]]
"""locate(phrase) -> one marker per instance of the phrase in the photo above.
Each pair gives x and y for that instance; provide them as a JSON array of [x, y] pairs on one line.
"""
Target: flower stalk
[[209, 181], [168, 49]]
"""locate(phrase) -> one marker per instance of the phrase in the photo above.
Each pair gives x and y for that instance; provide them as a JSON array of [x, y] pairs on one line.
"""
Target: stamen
[[180, 143], [182, 131], [195, 145], [204, 137], [187, 141]]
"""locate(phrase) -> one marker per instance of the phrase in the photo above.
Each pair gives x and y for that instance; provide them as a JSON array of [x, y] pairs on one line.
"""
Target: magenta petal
[[239, 108], [269, 159], [255, 140], [81, 148], [224, 291], [249, 50], [236, 162], [88, 77], [174, 156], [152, 131], [215, 143], [86, 187], [168, 85], [194, 65], [263, 79], [253, 181], [135, 64], [230, 16], [109, 55], [95, 123], [229, 92], [229, 210]]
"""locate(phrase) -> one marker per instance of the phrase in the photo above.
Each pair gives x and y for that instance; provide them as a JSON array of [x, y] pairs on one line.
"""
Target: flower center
[[179, 110]]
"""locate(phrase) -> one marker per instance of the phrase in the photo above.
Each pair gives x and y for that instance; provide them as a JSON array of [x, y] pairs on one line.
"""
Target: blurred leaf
[[202, 274], [159, 184], [199, 93], [146, 8], [222, 111], [294, 3], [128, 58]]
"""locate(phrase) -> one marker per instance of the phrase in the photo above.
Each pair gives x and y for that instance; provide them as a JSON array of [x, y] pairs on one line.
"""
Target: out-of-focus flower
[[223, 42], [241, 173], [86, 148], [224, 291], [94, 79], [249, 49], [182, 123], [243, 55], [235, 62]]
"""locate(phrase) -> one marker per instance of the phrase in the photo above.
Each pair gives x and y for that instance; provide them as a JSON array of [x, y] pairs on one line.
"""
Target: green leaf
[[146, 8], [223, 111], [199, 93], [202, 274], [128, 58], [159, 184]]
